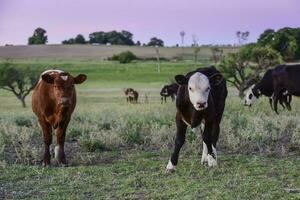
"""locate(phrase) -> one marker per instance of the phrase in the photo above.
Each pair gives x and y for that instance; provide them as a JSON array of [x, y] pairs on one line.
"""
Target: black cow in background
[[286, 80], [201, 96], [169, 91], [266, 87]]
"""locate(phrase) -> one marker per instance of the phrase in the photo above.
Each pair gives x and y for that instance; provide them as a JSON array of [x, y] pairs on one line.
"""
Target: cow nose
[[201, 104], [64, 101]]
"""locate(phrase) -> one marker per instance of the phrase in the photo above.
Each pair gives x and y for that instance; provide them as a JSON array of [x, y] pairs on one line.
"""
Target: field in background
[[101, 52], [119, 151]]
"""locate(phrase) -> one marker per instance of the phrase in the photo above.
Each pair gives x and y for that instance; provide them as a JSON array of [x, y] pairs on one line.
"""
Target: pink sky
[[213, 21]]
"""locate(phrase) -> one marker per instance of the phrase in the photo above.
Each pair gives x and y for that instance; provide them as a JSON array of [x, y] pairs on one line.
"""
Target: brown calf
[[131, 95], [53, 101]]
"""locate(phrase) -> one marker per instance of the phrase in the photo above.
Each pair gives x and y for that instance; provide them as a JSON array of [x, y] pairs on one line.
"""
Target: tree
[[196, 51], [69, 41], [79, 39], [112, 37], [182, 34], [38, 37], [216, 54], [286, 41], [156, 42], [242, 37], [244, 68], [19, 82], [266, 37], [138, 43], [97, 37], [194, 40]]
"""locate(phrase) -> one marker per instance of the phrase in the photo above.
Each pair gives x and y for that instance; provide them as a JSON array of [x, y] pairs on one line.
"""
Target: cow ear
[[216, 79], [181, 80], [80, 78], [47, 78]]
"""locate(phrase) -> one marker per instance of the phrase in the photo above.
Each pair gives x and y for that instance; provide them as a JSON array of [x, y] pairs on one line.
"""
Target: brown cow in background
[[131, 95], [53, 102]]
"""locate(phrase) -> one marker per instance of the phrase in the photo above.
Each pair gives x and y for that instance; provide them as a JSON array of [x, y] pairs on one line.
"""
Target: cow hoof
[[170, 167], [63, 165], [212, 162], [204, 159], [45, 164], [204, 154]]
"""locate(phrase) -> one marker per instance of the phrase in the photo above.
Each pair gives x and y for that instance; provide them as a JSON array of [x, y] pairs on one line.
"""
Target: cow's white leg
[[212, 162], [170, 167], [204, 154], [56, 152]]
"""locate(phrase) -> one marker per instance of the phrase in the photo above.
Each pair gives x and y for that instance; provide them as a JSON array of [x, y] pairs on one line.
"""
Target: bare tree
[[194, 40], [182, 34], [217, 54], [196, 51], [242, 37]]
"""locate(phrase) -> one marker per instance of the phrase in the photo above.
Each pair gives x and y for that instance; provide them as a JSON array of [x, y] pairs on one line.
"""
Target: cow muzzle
[[65, 102], [201, 105]]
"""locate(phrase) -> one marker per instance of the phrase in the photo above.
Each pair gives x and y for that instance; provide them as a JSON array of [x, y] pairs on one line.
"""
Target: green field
[[119, 151]]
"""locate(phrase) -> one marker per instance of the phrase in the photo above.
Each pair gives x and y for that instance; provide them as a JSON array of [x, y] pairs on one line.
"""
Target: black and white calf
[[266, 87], [201, 96], [169, 91]]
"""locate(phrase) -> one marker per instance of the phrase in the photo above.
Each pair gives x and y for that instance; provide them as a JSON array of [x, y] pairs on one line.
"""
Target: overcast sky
[[213, 21]]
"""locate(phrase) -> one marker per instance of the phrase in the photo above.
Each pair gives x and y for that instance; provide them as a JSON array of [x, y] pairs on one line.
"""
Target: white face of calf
[[250, 98], [199, 88]]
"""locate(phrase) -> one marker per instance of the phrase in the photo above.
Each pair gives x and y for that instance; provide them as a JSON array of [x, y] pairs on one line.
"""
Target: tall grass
[[113, 127]]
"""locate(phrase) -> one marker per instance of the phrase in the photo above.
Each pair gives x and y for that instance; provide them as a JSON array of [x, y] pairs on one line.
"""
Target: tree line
[[102, 38]]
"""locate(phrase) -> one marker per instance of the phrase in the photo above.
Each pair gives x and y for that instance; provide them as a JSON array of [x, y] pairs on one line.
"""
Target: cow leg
[[215, 137], [281, 100], [47, 136], [173, 98], [162, 100], [288, 102], [60, 142], [165, 99], [271, 102], [208, 146], [275, 101], [179, 141]]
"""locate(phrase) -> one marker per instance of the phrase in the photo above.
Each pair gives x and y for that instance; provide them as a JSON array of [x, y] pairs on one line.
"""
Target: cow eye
[[207, 89], [190, 88], [250, 96]]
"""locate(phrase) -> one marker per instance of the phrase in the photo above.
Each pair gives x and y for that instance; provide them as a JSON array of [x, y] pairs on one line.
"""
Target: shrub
[[93, 145], [124, 57], [22, 121]]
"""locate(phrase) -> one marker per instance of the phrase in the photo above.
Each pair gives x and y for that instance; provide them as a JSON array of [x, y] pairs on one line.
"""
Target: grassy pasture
[[119, 151]]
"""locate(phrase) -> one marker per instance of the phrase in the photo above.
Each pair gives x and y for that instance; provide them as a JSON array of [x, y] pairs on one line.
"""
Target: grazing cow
[[131, 95], [266, 87], [53, 102], [286, 81], [169, 91], [201, 96]]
